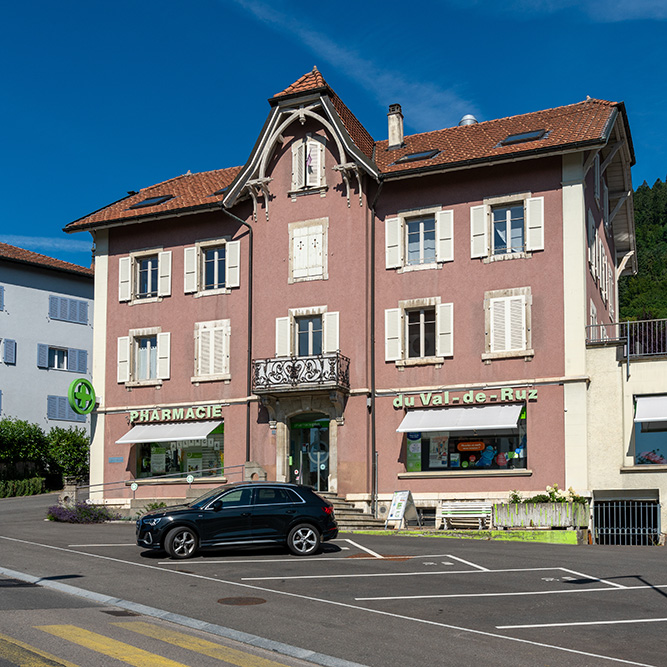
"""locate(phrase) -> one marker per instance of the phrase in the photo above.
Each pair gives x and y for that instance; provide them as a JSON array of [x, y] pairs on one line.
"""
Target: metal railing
[[626, 522], [321, 370], [643, 338]]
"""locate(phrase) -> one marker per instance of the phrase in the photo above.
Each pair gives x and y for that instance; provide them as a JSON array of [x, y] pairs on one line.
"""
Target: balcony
[[641, 339], [292, 374]]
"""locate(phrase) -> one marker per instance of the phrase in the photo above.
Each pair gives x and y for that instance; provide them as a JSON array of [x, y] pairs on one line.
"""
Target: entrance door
[[308, 461]]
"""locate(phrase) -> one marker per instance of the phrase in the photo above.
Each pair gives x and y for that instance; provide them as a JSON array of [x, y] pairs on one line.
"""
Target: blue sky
[[100, 98]]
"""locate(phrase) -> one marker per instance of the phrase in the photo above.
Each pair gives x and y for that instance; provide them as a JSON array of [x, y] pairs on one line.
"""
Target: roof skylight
[[152, 201], [523, 137], [414, 157]]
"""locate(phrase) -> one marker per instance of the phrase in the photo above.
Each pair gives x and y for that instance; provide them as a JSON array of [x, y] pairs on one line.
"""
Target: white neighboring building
[[46, 336]]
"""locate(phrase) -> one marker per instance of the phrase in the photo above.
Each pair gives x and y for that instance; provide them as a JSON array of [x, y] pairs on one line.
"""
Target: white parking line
[[129, 544], [560, 625], [602, 581], [368, 551], [467, 562], [355, 576]]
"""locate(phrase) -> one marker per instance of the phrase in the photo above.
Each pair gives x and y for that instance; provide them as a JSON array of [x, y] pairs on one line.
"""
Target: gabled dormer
[[308, 101]]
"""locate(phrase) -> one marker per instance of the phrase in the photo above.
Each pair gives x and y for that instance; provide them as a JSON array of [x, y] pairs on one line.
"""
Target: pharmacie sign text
[[471, 397], [176, 414]]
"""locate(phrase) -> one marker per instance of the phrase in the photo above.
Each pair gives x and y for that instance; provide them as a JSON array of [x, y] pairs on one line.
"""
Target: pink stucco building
[[359, 315]]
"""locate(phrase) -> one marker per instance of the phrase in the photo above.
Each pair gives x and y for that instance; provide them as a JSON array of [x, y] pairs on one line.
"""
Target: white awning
[[168, 432], [474, 418], [651, 409]]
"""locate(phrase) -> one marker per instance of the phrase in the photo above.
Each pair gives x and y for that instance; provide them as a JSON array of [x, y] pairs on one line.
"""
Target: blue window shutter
[[83, 362], [53, 307], [72, 360], [52, 407], [83, 312], [63, 309], [62, 407], [2, 297], [42, 355], [73, 307], [0, 402], [10, 351]]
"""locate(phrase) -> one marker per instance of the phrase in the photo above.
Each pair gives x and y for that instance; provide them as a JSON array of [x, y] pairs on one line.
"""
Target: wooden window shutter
[[444, 228], [233, 264], [2, 297], [298, 165], [163, 355], [517, 323], [330, 327], [479, 232], [508, 323], [72, 360], [42, 355], [123, 361], [393, 334], [10, 351], [315, 254], [300, 252], [124, 279], [313, 163], [283, 336], [190, 270], [164, 273], [393, 243], [444, 321], [535, 223]]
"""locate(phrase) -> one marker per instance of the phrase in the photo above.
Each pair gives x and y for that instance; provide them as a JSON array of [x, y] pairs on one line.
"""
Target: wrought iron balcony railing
[[645, 338], [322, 371]]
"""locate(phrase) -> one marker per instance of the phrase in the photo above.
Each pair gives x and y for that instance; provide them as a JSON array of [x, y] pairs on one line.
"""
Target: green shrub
[[21, 487], [553, 495], [68, 451], [81, 513]]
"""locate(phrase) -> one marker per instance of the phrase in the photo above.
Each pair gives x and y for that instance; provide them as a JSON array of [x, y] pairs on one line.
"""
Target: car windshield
[[212, 493]]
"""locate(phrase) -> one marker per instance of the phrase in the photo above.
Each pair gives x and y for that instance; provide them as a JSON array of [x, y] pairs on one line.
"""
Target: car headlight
[[153, 522]]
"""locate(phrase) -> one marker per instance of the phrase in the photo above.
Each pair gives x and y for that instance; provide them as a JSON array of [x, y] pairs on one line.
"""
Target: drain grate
[[241, 602]]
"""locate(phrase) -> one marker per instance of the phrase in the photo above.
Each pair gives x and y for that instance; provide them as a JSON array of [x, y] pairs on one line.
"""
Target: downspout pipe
[[250, 303], [374, 472]]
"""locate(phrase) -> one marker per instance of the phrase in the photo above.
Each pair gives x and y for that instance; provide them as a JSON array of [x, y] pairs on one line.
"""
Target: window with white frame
[[308, 250], [62, 358], [508, 323], [308, 163], [144, 356], [421, 238], [212, 345], [307, 332], [144, 276], [419, 331], [507, 227], [211, 267]]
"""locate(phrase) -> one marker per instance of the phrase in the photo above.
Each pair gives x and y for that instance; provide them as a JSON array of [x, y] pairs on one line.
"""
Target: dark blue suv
[[244, 513]]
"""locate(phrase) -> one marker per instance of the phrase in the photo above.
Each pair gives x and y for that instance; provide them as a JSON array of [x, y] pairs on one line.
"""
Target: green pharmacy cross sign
[[81, 396]]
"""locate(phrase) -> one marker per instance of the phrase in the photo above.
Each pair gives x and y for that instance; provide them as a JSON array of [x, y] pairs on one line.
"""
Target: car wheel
[[303, 540], [181, 543]]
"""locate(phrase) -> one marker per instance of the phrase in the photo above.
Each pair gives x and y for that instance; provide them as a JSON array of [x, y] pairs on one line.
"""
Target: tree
[[68, 452], [21, 442]]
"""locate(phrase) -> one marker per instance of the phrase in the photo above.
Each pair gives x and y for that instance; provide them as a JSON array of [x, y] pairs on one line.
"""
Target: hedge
[[21, 487]]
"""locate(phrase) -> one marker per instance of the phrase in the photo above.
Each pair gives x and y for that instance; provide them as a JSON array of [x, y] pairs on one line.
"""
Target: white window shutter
[[298, 165], [124, 279], [444, 322], [479, 232], [535, 223], [591, 239], [605, 202], [202, 349], [393, 243], [313, 163], [605, 275], [283, 337], [223, 336], [330, 326], [164, 273], [300, 252], [163, 355], [393, 334], [444, 229], [233, 264], [498, 319], [190, 269], [315, 253], [517, 323], [123, 362]]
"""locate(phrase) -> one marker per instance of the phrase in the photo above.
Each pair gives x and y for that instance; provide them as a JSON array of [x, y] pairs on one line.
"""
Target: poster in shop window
[[439, 452], [413, 461]]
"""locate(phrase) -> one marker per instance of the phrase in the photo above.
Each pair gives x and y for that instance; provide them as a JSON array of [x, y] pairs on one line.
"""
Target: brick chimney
[[395, 120]]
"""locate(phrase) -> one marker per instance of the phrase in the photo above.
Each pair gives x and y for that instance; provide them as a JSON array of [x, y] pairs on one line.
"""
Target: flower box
[[540, 515]]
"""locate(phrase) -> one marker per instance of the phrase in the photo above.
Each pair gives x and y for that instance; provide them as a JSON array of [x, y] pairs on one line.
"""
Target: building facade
[[46, 336], [364, 316]]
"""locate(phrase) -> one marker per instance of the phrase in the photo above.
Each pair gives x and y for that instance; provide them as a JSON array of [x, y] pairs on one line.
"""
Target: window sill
[[322, 190], [213, 292], [224, 377], [408, 268], [305, 279], [136, 301], [430, 474], [421, 361], [644, 468], [508, 354], [506, 256], [143, 383]]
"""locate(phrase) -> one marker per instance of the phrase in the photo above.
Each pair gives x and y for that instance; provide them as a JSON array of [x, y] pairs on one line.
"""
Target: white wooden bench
[[463, 511]]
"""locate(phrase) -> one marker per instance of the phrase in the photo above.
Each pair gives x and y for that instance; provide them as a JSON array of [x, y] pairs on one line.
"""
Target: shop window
[[651, 430], [468, 451], [201, 458], [211, 267]]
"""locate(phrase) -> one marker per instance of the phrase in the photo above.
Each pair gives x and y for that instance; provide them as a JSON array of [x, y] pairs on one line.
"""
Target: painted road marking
[[368, 551], [110, 647], [300, 560], [19, 653], [467, 562], [198, 645], [378, 612], [561, 625], [129, 544], [585, 576], [356, 576]]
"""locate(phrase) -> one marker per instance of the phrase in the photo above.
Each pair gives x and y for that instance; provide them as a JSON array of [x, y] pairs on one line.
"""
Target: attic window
[[221, 191], [523, 137], [152, 201], [414, 157]]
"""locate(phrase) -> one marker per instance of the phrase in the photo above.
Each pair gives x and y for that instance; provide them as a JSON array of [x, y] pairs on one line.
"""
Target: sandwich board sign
[[402, 509]]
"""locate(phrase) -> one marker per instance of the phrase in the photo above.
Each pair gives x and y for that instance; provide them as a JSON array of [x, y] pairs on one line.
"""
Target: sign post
[[402, 509]]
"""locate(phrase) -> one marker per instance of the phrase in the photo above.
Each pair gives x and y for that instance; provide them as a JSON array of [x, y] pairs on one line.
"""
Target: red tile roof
[[310, 81], [22, 256], [188, 191], [584, 122]]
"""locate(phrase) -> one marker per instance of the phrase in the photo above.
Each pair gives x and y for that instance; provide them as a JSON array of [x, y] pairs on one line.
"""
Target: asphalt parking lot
[[374, 599]]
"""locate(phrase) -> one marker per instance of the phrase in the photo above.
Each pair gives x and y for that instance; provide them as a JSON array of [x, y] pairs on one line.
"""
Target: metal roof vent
[[468, 119]]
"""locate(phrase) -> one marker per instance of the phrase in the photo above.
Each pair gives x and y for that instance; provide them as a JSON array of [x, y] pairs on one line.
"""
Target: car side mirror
[[217, 506]]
